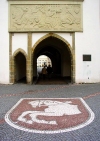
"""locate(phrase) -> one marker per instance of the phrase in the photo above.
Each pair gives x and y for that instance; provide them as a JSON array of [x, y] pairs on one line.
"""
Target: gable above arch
[[45, 16]]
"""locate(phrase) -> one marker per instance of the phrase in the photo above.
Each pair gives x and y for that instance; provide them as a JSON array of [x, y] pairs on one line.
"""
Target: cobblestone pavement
[[11, 94]]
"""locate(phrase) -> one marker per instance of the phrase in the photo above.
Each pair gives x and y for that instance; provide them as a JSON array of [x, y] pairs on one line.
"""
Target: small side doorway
[[20, 68]]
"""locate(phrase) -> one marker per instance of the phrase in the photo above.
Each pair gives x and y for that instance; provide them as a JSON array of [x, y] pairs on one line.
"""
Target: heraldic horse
[[53, 108]]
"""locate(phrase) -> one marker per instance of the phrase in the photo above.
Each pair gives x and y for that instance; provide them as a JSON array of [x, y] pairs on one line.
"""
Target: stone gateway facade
[[67, 31]]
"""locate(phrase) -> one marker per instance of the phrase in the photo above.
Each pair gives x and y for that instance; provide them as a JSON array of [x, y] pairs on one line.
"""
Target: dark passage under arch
[[20, 68], [60, 56]]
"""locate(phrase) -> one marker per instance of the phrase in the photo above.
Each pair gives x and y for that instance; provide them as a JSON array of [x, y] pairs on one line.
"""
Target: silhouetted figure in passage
[[44, 72], [49, 71]]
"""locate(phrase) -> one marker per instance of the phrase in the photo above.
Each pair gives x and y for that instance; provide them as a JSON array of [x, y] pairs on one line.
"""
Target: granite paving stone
[[11, 94]]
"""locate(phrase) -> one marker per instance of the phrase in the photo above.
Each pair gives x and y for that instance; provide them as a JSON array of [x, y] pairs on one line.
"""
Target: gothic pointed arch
[[63, 57], [19, 65], [55, 36], [20, 51]]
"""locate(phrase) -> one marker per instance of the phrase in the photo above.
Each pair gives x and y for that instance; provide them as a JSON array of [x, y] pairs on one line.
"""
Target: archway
[[20, 68], [59, 51]]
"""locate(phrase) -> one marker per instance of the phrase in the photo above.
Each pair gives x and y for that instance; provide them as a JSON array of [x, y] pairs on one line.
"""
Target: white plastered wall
[[19, 41], [88, 42], [4, 42], [67, 37], [36, 37]]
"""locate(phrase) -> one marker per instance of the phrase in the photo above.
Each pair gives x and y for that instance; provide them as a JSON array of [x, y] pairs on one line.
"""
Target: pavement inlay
[[49, 115]]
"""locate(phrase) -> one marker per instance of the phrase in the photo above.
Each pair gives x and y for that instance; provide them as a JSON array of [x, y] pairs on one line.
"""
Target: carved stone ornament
[[45, 17]]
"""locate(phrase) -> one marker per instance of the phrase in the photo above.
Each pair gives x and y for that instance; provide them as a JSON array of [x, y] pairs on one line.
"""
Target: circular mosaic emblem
[[49, 115]]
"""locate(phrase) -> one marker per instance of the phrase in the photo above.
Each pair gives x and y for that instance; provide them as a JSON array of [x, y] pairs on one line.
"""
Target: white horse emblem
[[53, 108], [49, 115]]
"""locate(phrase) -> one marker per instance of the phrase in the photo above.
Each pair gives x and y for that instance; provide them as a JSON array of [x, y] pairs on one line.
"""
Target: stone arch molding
[[29, 74], [52, 35], [12, 63], [68, 46], [18, 51]]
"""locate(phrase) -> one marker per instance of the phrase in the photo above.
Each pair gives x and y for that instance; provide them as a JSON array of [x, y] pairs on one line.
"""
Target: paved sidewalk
[[11, 94]]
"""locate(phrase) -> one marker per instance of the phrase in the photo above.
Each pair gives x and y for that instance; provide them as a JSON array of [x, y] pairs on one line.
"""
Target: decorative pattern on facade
[[45, 17]]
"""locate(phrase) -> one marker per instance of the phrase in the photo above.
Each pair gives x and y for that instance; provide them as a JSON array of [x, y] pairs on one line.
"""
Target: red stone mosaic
[[45, 117]]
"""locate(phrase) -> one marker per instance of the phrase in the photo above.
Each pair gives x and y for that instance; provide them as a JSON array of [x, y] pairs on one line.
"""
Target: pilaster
[[73, 59], [11, 62], [29, 59]]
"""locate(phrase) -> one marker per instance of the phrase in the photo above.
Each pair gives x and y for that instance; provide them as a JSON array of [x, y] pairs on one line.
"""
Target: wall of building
[[4, 42], [86, 42], [19, 40]]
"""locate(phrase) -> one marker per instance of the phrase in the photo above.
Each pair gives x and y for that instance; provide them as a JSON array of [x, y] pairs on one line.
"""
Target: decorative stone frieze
[[45, 17]]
